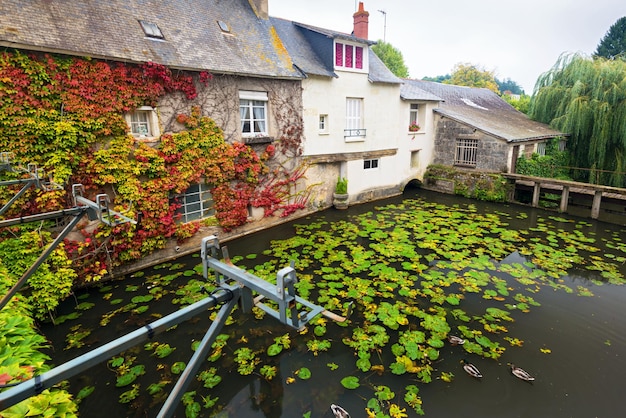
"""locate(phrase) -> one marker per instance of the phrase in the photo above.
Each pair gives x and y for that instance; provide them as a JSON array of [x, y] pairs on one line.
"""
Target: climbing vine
[[66, 115], [21, 358]]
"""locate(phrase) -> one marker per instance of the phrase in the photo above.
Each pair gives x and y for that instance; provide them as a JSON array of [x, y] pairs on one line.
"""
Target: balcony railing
[[354, 132]]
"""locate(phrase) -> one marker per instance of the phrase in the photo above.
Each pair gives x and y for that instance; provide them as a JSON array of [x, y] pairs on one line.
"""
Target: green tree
[[392, 57], [587, 98], [438, 79], [614, 42], [522, 104], [466, 74], [509, 85]]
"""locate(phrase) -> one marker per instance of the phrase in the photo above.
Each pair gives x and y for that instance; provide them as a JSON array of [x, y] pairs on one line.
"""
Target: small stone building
[[476, 129]]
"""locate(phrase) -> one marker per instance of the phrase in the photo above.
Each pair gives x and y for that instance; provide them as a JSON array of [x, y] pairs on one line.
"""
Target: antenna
[[385, 27]]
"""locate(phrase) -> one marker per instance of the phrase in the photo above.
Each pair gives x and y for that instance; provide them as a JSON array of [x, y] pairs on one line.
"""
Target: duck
[[339, 412], [471, 369], [521, 373], [454, 340]]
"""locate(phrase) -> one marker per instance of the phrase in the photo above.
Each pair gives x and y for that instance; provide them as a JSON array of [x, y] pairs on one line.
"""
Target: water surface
[[573, 342]]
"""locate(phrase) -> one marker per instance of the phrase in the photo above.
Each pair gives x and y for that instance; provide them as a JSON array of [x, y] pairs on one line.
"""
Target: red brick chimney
[[361, 20]]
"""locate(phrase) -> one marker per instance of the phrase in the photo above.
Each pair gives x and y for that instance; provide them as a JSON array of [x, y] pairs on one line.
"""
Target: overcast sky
[[519, 39]]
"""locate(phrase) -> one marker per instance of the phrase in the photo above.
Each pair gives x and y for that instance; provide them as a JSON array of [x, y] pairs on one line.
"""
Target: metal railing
[[354, 133]]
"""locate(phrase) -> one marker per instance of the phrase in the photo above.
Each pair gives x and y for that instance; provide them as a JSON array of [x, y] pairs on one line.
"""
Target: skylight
[[472, 104], [223, 26], [151, 29]]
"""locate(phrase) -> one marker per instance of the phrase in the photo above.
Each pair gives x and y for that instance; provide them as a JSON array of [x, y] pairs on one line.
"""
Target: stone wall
[[492, 155], [480, 185]]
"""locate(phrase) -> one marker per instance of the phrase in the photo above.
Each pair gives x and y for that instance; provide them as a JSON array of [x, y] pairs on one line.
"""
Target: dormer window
[[348, 56], [151, 29]]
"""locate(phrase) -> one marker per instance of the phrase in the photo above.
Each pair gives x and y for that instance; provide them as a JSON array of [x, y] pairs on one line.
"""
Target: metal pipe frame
[[231, 294], [283, 293], [44, 255], [73, 367]]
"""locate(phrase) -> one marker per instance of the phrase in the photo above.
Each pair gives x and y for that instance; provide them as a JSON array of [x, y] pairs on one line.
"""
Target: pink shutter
[[349, 53], [339, 54], [359, 57]]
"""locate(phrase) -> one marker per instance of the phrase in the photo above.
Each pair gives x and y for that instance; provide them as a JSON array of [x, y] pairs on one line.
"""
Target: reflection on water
[[574, 345]]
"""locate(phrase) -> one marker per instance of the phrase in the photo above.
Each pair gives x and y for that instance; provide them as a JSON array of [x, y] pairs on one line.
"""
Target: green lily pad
[[350, 382], [304, 373]]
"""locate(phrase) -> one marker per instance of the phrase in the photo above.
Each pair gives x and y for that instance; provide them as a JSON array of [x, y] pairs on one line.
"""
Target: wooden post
[[564, 199], [595, 208], [536, 193]]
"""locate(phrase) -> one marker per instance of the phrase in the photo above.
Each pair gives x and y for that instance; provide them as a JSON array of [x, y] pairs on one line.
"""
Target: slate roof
[[482, 109], [110, 29], [301, 49], [311, 49], [411, 91]]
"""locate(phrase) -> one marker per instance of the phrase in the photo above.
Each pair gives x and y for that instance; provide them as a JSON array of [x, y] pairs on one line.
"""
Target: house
[[253, 95], [419, 128], [477, 129], [351, 107]]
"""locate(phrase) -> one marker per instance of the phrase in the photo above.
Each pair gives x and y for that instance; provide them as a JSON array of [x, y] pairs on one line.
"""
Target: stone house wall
[[492, 154]]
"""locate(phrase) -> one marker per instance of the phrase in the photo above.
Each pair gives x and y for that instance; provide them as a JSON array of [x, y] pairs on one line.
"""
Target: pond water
[[538, 289]]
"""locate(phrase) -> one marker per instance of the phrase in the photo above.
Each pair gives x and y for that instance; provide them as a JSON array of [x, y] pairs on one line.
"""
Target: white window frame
[[323, 124], [371, 164], [143, 123], [466, 152], [196, 203], [414, 109], [253, 113], [541, 148], [354, 130]]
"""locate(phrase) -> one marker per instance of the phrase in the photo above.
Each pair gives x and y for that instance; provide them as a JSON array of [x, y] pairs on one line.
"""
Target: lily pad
[[350, 382]]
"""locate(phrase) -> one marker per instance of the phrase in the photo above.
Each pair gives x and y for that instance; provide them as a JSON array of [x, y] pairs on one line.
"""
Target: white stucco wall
[[417, 147], [381, 106], [386, 120]]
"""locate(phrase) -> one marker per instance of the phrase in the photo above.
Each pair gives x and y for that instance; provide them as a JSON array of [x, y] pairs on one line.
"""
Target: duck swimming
[[454, 340], [521, 373], [339, 412], [471, 369]]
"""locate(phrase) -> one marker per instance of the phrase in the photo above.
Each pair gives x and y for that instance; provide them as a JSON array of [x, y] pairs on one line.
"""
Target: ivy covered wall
[[66, 115]]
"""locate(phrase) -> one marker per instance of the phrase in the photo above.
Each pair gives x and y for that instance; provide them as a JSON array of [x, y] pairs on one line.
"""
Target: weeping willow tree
[[586, 98]]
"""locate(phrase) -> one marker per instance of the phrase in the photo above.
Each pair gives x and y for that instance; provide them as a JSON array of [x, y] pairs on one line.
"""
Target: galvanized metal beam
[[73, 367]]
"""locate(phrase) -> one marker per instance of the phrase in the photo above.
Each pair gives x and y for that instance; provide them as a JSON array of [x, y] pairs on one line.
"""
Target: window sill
[[146, 139], [258, 139], [354, 139]]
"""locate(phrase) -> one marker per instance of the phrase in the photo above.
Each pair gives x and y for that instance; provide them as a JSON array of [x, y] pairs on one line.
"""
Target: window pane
[[139, 123], [353, 113], [349, 49], [466, 152], [359, 57], [253, 116], [339, 54], [322, 124], [244, 114], [196, 203]]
